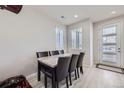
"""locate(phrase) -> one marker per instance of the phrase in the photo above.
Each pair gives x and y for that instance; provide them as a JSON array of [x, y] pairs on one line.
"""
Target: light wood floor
[[92, 78]]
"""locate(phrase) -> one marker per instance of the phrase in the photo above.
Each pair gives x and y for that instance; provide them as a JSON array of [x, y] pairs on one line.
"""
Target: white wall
[[86, 40], [96, 34], [21, 35]]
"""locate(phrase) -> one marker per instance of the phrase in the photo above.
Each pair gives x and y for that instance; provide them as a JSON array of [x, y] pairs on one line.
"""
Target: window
[[109, 44], [77, 38], [59, 38], [109, 30]]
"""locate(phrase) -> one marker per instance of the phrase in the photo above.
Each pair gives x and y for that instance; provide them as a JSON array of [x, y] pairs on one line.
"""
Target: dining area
[[59, 66], [52, 47]]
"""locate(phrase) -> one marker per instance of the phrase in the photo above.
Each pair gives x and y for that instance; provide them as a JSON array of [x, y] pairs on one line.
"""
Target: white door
[[110, 45]]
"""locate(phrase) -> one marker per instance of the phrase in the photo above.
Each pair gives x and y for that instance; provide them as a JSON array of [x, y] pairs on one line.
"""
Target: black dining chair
[[60, 72], [39, 55], [56, 52], [72, 66], [61, 51], [79, 63], [42, 54]]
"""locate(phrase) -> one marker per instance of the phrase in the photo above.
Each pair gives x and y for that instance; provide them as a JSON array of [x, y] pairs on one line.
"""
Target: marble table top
[[52, 61]]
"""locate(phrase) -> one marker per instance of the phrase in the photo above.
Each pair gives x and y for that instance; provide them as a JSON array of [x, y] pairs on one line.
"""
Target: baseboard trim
[[31, 75]]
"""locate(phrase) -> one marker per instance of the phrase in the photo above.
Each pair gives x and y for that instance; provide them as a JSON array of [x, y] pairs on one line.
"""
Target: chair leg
[[45, 77], [57, 84], [53, 81], [67, 82], [38, 73], [81, 69], [75, 75], [78, 72], [70, 78]]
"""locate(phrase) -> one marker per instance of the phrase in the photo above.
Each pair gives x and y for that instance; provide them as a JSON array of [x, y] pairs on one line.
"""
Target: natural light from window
[[77, 38], [59, 38]]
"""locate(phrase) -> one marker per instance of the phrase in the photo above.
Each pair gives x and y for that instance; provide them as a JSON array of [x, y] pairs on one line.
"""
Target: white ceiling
[[95, 13]]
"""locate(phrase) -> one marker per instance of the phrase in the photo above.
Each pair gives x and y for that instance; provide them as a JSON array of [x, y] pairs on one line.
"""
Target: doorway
[[110, 46]]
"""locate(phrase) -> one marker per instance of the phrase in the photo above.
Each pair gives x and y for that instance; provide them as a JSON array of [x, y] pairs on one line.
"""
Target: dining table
[[48, 65]]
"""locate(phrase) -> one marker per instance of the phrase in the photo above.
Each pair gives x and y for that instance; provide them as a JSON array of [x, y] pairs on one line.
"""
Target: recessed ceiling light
[[113, 12], [62, 17], [75, 16]]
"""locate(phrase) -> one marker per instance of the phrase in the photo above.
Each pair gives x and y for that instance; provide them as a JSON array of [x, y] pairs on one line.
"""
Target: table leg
[[38, 74]]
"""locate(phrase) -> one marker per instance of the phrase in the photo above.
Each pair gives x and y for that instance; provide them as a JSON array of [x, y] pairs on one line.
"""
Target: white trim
[[31, 76]]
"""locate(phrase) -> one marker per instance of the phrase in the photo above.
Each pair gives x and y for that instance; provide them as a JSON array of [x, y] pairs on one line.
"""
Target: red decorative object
[[13, 8], [19, 81]]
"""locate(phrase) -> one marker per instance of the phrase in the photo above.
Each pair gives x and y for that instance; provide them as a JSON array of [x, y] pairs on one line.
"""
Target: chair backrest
[[73, 62], [61, 51], [62, 68], [80, 59], [56, 52], [42, 54]]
